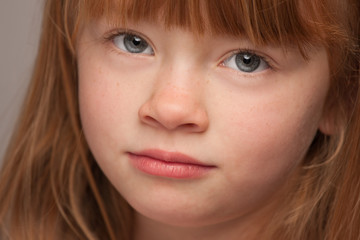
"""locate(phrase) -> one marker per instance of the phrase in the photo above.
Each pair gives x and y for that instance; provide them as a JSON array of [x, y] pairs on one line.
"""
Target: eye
[[246, 62], [132, 43]]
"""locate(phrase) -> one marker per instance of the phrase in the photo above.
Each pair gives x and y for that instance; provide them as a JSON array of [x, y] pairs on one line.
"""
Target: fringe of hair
[[50, 185]]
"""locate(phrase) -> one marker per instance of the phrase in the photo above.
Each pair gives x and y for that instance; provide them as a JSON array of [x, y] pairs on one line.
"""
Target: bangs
[[264, 22]]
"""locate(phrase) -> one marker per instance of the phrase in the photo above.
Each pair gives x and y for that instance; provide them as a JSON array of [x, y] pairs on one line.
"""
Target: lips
[[168, 164]]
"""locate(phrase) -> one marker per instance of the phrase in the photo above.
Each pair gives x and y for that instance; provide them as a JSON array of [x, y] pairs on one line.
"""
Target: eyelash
[[109, 38], [267, 60]]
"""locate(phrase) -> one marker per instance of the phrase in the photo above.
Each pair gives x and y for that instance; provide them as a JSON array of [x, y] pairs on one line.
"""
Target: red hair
[[50, 180]]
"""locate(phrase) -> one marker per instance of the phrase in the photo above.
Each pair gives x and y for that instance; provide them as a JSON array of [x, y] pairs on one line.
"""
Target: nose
[[175, 105]]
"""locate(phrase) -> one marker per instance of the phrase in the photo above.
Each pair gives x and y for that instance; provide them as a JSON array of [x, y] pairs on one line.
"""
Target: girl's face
[[196, 130]]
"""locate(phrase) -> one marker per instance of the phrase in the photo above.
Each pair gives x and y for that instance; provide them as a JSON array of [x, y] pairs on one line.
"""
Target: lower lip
[[168, 169]]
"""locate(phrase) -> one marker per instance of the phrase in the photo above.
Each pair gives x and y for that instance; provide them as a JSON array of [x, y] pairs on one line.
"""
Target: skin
[[255, 128]]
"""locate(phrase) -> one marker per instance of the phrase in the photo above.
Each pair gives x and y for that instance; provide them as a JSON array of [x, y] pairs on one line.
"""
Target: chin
[[179, 215]]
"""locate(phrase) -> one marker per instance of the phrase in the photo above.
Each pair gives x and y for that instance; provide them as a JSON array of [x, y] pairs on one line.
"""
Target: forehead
[[263, 20], [300, 23]]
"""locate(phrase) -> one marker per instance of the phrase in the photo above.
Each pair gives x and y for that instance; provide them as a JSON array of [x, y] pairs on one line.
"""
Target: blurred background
[[20, 22]]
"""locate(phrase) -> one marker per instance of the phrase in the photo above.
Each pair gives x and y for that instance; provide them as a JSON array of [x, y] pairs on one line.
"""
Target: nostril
[[188, 126], [172, 115], [151, 121]]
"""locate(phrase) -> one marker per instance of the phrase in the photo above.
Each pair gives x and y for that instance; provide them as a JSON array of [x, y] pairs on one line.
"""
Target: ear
[[327, 124]]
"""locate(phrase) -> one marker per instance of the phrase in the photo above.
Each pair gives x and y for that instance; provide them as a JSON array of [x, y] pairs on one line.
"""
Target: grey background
[[20, 22]]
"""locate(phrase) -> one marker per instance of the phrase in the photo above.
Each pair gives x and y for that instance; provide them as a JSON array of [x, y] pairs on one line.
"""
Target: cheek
[[102, 107], [266, 135], [262, 143]]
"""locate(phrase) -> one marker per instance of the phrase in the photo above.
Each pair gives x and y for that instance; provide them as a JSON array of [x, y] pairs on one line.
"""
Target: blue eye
[[132, 43], [246, 62]]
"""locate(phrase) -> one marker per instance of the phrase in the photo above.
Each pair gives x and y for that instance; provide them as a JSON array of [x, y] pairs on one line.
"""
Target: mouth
[[168, 164]]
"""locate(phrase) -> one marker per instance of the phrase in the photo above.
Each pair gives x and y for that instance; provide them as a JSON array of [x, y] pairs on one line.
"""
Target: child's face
[[248, 123]]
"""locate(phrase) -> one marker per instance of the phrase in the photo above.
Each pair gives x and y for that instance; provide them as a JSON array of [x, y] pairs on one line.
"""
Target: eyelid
[[273, 65], [110, 35]]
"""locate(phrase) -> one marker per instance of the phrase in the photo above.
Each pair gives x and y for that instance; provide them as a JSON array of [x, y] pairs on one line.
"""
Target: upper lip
[[173, 157]]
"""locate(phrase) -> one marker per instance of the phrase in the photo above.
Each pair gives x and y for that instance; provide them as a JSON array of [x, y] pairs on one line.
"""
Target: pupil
[[247, 59], [134, 44], [136, 41], [247, 62]]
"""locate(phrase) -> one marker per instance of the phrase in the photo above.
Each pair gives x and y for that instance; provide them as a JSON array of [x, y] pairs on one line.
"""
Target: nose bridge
[[176, 79], [176, 100]]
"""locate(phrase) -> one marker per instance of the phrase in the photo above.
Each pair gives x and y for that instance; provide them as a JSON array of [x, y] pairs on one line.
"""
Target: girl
[[189, 120]]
